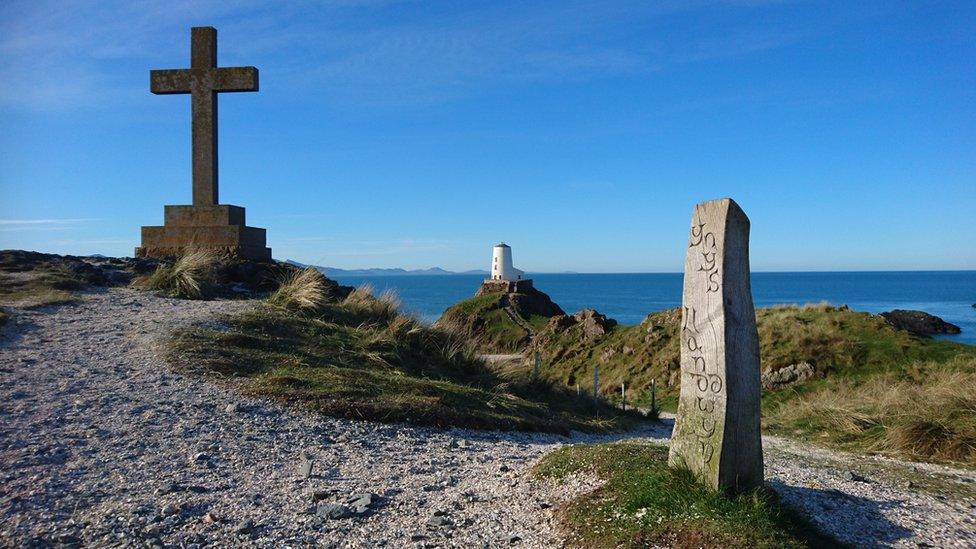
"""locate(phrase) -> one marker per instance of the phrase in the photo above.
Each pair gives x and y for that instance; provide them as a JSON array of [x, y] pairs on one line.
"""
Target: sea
[[629, 297]]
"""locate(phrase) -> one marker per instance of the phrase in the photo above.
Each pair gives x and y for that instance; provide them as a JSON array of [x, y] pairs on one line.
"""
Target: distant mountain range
[[433, 271]]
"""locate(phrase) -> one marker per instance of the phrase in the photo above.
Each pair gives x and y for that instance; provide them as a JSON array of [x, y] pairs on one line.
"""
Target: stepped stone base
[[219, 228]]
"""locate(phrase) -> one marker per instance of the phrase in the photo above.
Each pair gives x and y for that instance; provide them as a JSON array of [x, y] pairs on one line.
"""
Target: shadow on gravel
[[835, 511], [16, 326]]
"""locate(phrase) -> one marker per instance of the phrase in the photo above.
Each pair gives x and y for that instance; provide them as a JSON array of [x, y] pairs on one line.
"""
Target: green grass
[[192, 276], [927, 412], [645, 503], [846, 348], [49, 285], [362, 359], [483, 320]]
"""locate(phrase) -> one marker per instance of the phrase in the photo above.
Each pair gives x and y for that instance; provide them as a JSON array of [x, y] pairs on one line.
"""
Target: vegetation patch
[[645, 503], [927, 411], [361, 358], [191, 276], [53, 285], [498, 321], [811, 355]]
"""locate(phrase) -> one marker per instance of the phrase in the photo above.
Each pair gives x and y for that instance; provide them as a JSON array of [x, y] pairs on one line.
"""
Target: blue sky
[[415, 134]]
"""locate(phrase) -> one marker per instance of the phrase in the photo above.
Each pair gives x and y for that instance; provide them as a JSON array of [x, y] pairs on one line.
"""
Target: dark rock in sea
[[919, 322]]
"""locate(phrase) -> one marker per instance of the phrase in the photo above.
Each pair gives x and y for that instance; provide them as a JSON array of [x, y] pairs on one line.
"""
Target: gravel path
[[100, 444]]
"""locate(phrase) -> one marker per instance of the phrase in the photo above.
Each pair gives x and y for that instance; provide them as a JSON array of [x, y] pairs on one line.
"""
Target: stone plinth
[[490, 286], [716, 432], [219, 228]]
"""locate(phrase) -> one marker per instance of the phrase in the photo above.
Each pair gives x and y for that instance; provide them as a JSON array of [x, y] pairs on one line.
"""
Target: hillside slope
[[809, 354], [500, 321]]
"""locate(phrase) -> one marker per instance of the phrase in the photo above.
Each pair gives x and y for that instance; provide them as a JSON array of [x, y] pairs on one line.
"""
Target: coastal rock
[[919, 322], [560, 323], [595, 325], [787, 375]]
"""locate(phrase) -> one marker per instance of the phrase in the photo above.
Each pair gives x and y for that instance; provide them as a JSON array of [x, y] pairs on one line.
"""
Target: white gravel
[[100, 444]]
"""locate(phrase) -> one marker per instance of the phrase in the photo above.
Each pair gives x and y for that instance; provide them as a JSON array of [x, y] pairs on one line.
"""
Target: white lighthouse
[[501, 264]]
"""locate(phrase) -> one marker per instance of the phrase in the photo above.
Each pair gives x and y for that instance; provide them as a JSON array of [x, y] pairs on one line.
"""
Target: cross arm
[[169, 81], [236, 79]]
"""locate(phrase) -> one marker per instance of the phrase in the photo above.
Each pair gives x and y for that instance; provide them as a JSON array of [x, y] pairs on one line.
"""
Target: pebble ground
[[101, 444]]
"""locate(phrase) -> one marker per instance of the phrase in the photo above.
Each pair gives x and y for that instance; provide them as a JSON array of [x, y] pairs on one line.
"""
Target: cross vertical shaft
[[203, 56], [203, 80]]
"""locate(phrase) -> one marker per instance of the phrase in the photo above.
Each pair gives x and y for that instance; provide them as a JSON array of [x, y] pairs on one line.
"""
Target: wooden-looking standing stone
[[716, 432]]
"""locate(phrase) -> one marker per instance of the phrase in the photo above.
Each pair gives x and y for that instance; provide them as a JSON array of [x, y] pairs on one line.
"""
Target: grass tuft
[[192, 276], [929, 414], [306, 290], [645, 503], [49, 285]]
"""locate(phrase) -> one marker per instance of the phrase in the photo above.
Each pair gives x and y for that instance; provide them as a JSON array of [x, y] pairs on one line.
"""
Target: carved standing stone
[[716, 432]]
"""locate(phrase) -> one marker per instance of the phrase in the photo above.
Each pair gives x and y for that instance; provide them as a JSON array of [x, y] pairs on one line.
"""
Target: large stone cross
[[203, 80], [207, 224]]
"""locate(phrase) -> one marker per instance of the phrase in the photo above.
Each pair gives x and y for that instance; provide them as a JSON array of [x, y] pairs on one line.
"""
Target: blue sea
[[628, 298]]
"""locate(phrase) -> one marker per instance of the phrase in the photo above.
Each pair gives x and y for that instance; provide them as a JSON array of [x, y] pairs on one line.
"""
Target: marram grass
[[191, 276], [305, 290], [361, 358], [644, 503]]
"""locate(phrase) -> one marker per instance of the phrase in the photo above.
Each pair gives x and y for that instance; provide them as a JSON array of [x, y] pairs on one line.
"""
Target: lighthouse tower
[[501, 264]]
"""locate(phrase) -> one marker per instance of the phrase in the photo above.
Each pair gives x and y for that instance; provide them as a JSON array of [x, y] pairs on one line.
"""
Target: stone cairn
[[716, 432]]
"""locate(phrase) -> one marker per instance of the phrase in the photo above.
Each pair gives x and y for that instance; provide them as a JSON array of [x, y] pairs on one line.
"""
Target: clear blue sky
[[415, 134]]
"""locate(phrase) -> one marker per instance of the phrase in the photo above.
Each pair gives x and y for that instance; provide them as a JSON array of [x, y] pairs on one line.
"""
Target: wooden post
[[623, 396], [596, 383], [653, 396]]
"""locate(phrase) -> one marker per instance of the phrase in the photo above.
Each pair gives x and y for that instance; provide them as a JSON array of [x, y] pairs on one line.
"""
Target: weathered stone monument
[[716, 432], [207, 224]]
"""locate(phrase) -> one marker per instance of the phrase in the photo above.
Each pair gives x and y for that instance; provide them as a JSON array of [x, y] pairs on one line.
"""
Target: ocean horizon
[[629, 297]]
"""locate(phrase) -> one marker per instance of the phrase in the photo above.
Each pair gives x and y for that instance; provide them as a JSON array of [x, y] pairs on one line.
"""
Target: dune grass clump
[[928, 412], [306, 290], [362, 358], [644, 503], [192, 276], [48, 285]]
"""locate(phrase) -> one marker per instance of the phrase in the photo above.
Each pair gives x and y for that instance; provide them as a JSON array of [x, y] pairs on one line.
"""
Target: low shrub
[[192, 276], [306, 290]]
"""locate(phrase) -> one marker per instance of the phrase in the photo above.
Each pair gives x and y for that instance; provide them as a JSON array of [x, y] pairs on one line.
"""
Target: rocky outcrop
[[593, 325], [499, 318], [919, 322], [787, 375]]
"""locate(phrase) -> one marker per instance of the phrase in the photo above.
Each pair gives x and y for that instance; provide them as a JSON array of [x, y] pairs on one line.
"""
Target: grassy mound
[[841, 352], [498, 322], [46, 285], [927, 412], [644, 503], [361, 358]]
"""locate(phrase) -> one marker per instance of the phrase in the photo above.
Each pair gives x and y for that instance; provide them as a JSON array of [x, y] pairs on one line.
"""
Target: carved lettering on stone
[[716, 433]]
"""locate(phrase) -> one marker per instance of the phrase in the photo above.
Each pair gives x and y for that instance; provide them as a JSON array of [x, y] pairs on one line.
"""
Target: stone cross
[[203, 80], [716, 431]]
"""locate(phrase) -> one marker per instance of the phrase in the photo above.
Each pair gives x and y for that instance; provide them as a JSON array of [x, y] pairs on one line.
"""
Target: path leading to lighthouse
[[100, 443]]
